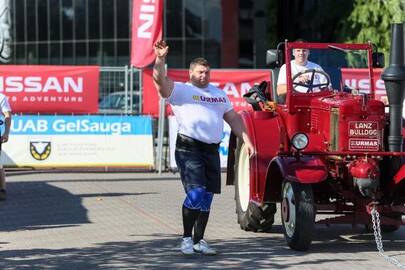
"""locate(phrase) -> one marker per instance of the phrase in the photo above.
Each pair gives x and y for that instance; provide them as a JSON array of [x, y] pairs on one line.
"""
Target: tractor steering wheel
[[322, 82]]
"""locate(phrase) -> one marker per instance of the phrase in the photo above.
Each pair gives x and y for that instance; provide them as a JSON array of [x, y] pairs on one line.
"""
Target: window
[[30, 12], [67, 54], [108, 18], [42, 19], [94, 18], [94, 53], [55, 54], [80, 10], [81, 53], [174, 15], [68, 14], [123, 21], [55, 20], [175, 58], [43, 57]]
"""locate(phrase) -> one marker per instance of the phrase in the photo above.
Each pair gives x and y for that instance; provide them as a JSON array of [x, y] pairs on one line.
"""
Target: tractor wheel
[[251, 217], [297, 214]]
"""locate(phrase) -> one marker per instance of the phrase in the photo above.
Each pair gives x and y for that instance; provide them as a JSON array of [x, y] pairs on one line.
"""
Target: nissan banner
[[359, 79], [50, 89], [146, 30]]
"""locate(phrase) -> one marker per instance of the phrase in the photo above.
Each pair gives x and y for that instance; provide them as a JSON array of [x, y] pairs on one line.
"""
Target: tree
[[370, 20]]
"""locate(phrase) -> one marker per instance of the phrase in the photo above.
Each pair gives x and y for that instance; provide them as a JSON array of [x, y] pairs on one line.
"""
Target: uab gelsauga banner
[[54, 141]]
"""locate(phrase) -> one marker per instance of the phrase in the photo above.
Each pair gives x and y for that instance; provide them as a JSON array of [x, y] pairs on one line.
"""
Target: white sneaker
[[204, 248], [187, 246]]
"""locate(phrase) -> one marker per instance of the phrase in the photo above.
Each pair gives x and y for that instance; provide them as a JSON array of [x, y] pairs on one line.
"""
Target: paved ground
[[132, 221]]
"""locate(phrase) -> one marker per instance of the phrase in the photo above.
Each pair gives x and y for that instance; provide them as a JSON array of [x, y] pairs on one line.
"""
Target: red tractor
[[329, 155]]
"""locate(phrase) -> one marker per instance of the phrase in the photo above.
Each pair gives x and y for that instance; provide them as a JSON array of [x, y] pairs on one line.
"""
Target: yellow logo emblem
[[40, 150]]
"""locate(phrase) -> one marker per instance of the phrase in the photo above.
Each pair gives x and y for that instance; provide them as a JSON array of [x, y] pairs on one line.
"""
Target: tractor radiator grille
[[334, 130], [315, 119]]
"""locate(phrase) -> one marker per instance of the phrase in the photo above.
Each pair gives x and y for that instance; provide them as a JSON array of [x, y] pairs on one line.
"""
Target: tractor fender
[[247, 120], [306, 170], [256, 123], [400, 175], [230, 173]]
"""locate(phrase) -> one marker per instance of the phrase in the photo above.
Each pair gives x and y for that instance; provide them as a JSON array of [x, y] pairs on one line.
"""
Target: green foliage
[[371, 20]]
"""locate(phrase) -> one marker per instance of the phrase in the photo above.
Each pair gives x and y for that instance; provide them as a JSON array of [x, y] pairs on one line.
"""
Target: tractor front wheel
[[297, 214], [251, 217]]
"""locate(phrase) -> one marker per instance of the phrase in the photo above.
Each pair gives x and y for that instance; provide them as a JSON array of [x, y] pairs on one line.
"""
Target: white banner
[[223, 149], [79, 141]]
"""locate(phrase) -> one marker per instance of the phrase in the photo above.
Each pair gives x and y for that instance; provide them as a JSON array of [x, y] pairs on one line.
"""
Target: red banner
[[359, 79], [50, 89], [146, 30], [234, 82]]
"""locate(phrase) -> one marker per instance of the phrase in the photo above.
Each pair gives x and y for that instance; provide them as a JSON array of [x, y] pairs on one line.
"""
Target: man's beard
[[199, 83]]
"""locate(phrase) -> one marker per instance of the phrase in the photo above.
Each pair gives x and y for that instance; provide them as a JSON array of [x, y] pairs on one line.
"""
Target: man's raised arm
[[163, 83]]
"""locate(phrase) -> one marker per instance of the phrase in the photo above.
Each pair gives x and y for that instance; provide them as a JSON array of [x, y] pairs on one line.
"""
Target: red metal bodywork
[[344, 131]]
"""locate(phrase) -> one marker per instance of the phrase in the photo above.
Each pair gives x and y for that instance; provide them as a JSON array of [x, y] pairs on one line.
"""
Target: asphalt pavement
[[64, 220]]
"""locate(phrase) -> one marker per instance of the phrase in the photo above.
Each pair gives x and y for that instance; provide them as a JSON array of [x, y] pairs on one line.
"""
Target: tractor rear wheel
[[251, 217], [297, 214]]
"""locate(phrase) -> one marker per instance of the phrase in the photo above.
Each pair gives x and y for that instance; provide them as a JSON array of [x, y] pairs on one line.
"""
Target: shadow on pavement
[[159, 253], [162, 253], [39, 205]]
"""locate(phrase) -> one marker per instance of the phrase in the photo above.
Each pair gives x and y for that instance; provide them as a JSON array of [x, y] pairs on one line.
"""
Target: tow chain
[[375, 217]]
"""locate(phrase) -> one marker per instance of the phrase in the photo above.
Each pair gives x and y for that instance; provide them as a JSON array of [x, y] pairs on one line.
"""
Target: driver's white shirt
[[295, 69]]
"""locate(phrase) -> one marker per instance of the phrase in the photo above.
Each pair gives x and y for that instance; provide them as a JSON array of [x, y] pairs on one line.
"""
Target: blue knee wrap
[[194, 198], [206, 202], [198, 198]]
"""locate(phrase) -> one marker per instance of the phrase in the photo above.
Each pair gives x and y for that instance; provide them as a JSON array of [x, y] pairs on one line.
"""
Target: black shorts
[[199, 167]]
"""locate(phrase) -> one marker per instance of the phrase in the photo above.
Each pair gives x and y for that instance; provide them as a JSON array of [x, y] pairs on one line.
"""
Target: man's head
[[199, 72], [300, 55]]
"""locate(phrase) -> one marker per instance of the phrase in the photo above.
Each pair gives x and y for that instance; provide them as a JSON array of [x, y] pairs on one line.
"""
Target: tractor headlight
[[299, 141]]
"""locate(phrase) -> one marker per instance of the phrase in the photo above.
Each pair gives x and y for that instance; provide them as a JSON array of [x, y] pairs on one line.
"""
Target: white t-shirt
[[200, 111], [4, 105], [295, 69]]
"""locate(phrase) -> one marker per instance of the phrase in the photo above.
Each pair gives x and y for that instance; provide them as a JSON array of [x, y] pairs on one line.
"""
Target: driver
[[300, 63]]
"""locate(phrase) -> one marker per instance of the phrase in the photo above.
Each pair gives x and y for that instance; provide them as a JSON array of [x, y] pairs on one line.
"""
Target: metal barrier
[[120, 90]]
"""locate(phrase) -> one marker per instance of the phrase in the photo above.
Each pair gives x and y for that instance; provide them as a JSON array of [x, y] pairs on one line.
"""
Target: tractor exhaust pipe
[[394, 78]]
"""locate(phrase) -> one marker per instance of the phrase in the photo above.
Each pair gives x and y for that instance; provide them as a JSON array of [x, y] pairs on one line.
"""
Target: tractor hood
[[349, 104], [347, 122]]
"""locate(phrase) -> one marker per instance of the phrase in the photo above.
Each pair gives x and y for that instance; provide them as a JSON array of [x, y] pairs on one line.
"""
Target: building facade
[[229, 33], [87, 32]]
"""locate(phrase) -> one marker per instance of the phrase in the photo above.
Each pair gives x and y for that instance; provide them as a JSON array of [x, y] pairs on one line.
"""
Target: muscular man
[[200, 109]]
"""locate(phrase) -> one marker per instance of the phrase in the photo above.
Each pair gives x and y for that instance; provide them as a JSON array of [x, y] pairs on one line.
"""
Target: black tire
[[297, 215], [251, 217]]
